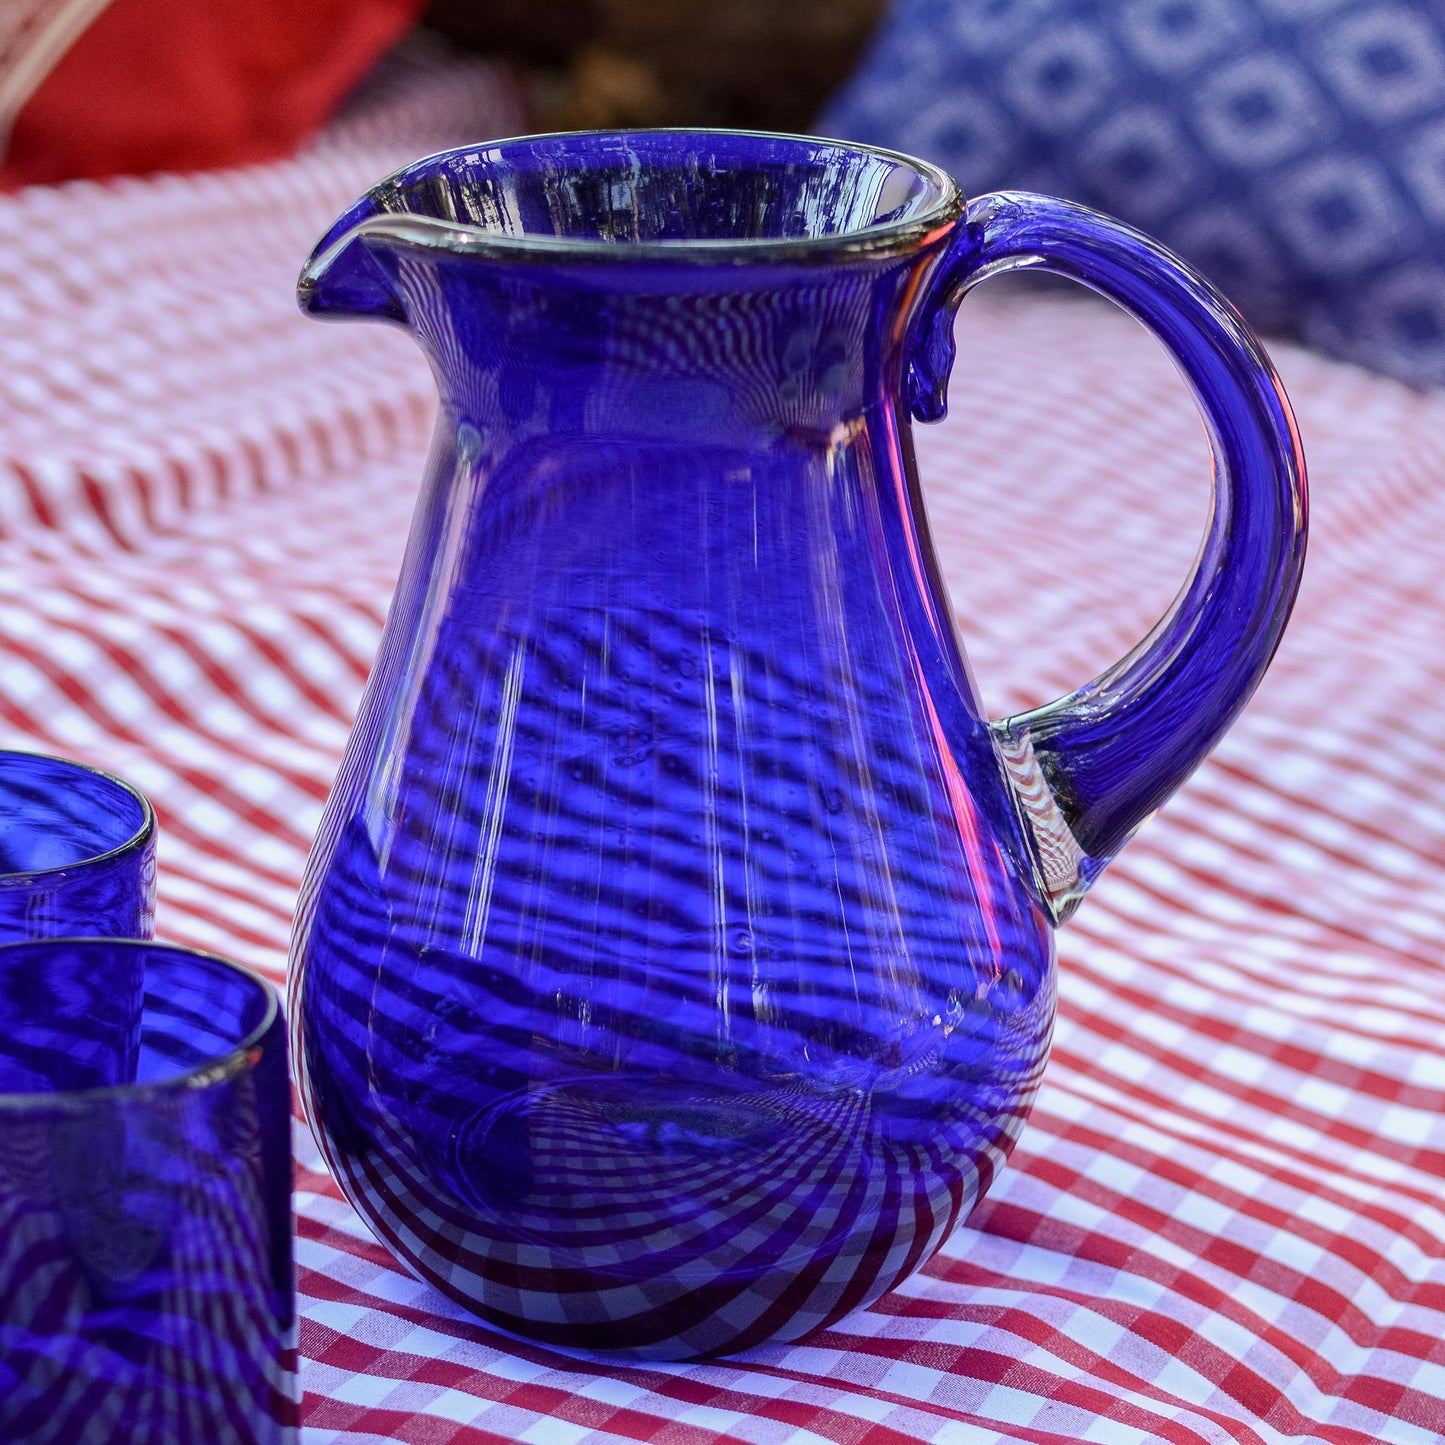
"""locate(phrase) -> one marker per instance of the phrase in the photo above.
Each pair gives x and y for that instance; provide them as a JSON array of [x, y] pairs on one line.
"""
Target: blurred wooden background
[[754, 64]]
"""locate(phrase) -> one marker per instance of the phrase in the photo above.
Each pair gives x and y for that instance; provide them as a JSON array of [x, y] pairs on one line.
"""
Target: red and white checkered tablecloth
[[1226, 1218]]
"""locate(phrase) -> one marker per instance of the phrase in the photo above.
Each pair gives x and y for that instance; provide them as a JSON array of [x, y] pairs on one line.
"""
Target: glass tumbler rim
[[138, 839], [216, 1069]]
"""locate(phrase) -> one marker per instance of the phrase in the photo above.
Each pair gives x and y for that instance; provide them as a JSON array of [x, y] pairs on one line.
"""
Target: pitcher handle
[[1116, 749]]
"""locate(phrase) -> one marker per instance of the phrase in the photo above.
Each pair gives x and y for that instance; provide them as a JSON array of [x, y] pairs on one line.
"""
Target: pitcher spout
[[348, 275]]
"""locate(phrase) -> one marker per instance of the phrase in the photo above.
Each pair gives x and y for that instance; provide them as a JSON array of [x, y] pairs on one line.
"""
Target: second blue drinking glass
[[77, 851]]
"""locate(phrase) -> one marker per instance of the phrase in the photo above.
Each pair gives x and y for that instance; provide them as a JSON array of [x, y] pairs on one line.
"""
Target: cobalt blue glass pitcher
[[675, 962]]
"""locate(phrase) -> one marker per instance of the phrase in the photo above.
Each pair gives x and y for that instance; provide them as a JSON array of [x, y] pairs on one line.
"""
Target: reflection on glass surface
[[77, 851], [675, 963], [146, 1291]]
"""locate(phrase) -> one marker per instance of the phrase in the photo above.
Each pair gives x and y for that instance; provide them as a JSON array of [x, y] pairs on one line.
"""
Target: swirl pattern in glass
[[675, 962]]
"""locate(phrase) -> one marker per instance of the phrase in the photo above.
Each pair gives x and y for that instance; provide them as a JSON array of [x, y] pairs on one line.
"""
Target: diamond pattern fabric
[[1294, 150]]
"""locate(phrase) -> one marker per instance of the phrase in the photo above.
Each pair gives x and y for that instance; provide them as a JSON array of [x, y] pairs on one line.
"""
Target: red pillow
[[97, 87]]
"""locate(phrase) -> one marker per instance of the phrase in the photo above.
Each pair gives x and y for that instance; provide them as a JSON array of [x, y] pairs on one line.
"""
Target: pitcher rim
[[863, 242]]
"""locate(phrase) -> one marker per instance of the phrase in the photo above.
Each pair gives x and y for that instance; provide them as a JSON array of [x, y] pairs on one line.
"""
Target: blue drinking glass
[[675, 961], [146, 1293], [77, 851]]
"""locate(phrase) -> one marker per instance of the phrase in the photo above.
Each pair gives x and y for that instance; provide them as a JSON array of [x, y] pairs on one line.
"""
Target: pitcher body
[[675, 963]]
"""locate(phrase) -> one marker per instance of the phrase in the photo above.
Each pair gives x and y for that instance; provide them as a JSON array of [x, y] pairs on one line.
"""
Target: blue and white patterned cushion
[[1294, 150]]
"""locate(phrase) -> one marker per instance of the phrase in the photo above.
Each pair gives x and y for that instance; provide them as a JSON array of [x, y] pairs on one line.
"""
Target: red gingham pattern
[[1225, 1221]]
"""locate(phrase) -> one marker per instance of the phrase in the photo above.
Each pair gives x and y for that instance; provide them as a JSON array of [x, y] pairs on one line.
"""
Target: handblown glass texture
[[674, 965], [146, 1292], [77, 851]]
